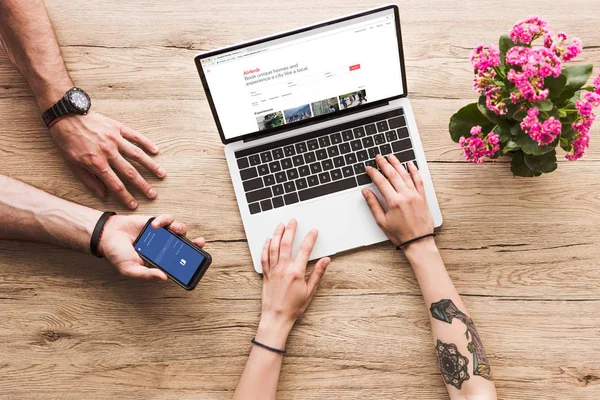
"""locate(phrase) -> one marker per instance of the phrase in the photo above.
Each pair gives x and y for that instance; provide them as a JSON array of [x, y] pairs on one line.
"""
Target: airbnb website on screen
[[305, 75]]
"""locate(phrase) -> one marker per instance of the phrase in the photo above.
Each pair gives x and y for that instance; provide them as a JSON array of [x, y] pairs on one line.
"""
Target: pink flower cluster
[[536, 65], [528, 30], [542, 132], [484, 60], [479, 146], [557, 46], [583, 124]]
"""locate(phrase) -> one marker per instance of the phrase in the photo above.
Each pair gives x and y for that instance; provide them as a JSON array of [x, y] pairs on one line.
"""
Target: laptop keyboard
[[321, 162]]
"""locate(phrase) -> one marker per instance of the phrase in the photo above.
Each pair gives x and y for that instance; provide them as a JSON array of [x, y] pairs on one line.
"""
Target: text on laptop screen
[[305, 75]]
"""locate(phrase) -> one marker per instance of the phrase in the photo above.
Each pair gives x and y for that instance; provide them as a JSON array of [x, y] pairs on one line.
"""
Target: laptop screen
[[303, 76]]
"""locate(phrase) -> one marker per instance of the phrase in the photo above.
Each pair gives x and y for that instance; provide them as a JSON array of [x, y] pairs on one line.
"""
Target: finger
[[199, 242], [384, 186], [127, 170], [264, 258], [375, 206], [179, 228], [306, 248], [390, 173], [402, 171], [136, 137], [416, 177], [137, 154], [115, 185], [275, 242], [142, 272], [90, 180], [316, 275], [162, 220], [285, 250]]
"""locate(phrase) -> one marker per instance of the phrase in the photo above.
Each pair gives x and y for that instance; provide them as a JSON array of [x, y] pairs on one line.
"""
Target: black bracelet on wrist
[[264, 346], [97, 234], [399, 247]]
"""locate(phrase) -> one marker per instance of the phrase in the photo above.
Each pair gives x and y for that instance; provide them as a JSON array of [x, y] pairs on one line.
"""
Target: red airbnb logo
[[251, 71], [355, 66]]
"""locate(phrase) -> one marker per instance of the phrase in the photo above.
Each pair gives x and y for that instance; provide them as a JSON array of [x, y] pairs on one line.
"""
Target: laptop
[[301, 114]]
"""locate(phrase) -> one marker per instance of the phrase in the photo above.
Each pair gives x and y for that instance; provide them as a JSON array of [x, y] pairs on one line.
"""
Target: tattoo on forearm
[[445, 311], [453, 365]]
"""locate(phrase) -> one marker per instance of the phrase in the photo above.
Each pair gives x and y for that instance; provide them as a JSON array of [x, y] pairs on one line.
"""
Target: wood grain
[[524, 254]]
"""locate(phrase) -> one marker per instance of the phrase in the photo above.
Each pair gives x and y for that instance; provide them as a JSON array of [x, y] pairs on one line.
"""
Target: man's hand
[[117, 240], [95, 148], [286, 293], [408, 214]]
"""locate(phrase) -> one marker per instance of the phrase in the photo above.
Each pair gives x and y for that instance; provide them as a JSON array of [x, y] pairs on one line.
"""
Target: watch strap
[[57, 111], [97, 233]]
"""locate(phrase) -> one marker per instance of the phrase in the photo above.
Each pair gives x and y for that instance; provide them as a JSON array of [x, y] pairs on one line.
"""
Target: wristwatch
[[75, 101]]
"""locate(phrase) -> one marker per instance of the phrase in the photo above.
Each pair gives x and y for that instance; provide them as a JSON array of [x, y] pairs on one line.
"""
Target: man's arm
[[93, 146], [27, 213], [461, 359]]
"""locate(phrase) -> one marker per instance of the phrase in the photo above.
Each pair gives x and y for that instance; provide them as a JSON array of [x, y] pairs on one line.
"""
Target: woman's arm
[[286, 295], [462, 361]]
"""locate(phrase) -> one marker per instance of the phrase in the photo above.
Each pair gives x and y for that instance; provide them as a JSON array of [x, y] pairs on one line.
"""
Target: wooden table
[[523, 253]]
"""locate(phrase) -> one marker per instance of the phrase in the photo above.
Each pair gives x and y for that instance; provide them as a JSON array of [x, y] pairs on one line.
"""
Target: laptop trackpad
[[344, 222]]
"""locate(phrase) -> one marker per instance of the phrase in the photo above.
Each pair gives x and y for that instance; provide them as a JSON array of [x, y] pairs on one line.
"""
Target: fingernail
[[161, 172], [393, 157], [292, 221], [151, 193], [155, 148], [326, 262], [411, 163], [378, 156], [314, 231], [132, 204]]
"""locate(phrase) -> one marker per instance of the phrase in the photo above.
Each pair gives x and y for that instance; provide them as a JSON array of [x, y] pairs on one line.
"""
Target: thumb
[[316, 275]]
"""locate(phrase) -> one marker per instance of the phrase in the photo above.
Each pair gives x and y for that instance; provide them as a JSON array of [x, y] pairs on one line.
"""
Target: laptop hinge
[[363, 108]]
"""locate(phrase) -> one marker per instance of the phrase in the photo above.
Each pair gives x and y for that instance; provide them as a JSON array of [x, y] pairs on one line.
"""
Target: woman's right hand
[[286, 293], [408, 214]]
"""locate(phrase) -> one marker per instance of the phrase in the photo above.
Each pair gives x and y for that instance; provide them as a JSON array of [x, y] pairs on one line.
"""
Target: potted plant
[[530, 102]]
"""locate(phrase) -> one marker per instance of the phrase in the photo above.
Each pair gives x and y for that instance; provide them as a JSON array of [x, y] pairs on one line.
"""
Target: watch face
[[79, 100]]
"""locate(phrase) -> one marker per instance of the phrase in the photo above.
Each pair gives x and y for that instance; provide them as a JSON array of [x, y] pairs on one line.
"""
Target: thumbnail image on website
[[305, 75]]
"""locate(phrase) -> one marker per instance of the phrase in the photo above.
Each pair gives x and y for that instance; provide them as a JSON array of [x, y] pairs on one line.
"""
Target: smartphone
[[176, 256]]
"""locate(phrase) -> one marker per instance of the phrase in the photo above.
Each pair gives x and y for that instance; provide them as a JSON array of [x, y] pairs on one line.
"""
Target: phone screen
[[170, 253]]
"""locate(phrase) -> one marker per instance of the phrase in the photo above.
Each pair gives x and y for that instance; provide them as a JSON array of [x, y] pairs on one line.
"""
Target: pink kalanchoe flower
[[593, 98], [479, 146], [573, 50], [484, 58], [543, 133], [484, 80], [494, 101], [528, 30], [583, 107]]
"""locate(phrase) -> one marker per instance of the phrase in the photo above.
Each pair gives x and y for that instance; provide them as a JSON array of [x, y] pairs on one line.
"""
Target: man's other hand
[[96, 147]]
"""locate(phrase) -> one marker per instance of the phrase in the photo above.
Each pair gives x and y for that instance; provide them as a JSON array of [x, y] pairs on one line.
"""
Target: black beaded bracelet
[[399, 247], [264, 346]]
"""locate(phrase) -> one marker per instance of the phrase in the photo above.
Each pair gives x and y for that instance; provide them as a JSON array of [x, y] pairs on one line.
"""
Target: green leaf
[[505, 44], [520, 115], [542, 163], [511, 145], [567, 135], [519, 168], [530, 146], [556, 85], [466, 118], [577, 76], [504, 133], [544, 105]]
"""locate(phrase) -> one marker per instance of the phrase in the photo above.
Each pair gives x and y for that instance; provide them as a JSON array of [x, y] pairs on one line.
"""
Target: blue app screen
[[170, 253]]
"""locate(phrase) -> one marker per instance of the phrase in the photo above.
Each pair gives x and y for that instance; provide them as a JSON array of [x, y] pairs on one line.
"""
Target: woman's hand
[[117, 240], [408, 214], [286, 292]]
